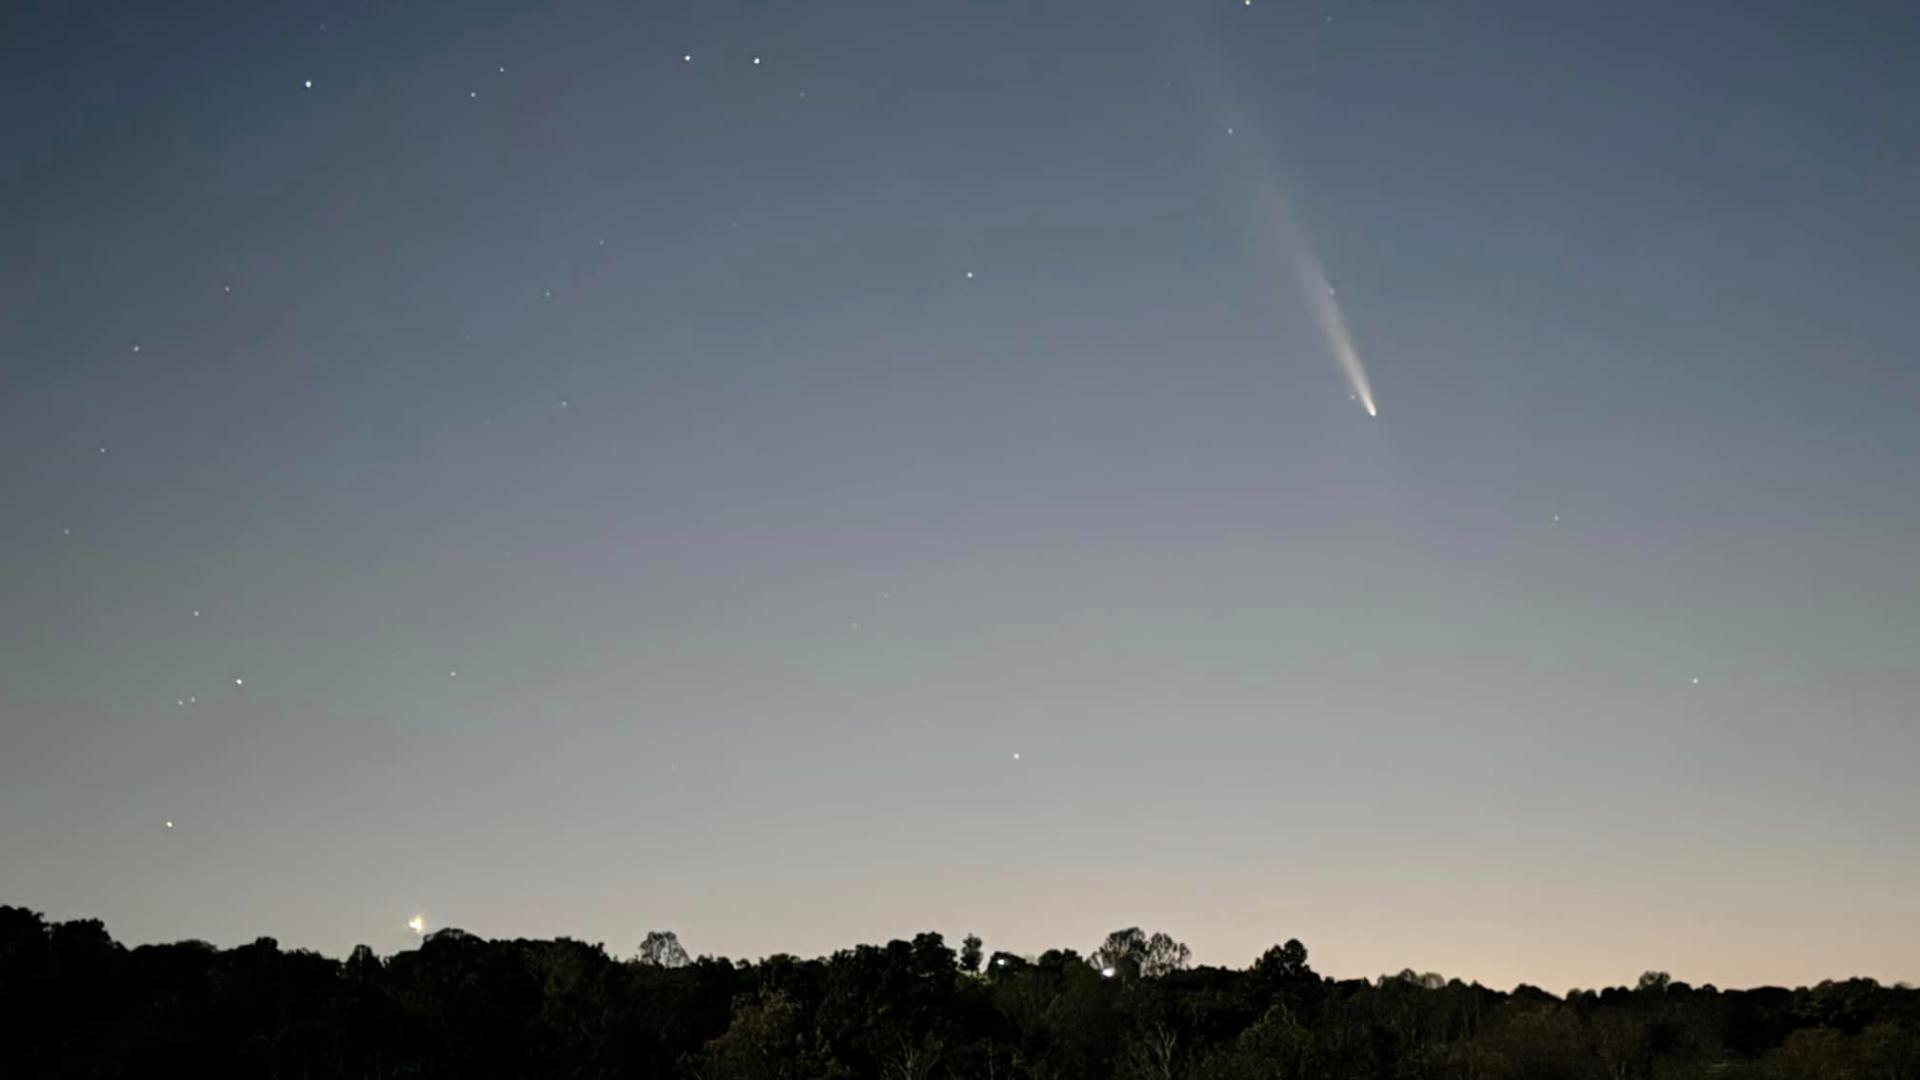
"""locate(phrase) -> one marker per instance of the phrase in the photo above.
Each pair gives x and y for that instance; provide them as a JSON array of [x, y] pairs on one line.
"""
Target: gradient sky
[[804, 590]]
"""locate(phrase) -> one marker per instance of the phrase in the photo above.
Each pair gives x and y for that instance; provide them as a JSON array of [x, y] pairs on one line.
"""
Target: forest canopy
[[76, 1003]]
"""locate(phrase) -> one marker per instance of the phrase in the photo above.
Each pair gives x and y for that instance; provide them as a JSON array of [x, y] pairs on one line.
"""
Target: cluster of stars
[[307, 84]]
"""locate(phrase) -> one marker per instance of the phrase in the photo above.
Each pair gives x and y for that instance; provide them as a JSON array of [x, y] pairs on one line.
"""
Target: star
[[1556, 517], [103, 449], [453, 674], [169, 824], [473, 93], [239, 682], [136, 348], [191, 700], [1016, 755], [563, 404], [969, 275], [226, 288], [1696, 680], [308, 84], [756, 60], [686, 58], [196, 613], [549, 293], [181, 702], [503, 71], [417, 924]]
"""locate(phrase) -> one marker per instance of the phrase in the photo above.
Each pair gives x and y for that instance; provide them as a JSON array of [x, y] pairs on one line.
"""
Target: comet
[[1281, 240], [1333, 325], [1287, 239]]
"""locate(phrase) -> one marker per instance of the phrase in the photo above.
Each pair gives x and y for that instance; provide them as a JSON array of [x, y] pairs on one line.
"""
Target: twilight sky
[[885, 473]]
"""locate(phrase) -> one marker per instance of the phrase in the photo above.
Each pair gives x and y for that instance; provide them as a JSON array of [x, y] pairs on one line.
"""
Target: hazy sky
[[901, 483]]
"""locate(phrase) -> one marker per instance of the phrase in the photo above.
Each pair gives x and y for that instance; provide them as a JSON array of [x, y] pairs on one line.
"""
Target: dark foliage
[[74, 1003]]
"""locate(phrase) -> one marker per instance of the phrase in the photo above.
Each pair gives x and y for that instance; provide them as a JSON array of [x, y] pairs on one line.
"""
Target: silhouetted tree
[[1130, 952], [661, 948], [970, 953]]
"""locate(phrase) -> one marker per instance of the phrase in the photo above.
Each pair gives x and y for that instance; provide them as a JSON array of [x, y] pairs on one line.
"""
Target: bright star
[[417, 924]]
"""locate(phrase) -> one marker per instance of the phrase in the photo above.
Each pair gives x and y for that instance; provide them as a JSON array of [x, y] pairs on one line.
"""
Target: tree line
[[76, 1003]]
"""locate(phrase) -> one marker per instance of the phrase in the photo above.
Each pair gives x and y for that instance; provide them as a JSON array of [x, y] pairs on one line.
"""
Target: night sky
[[799, 474]]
